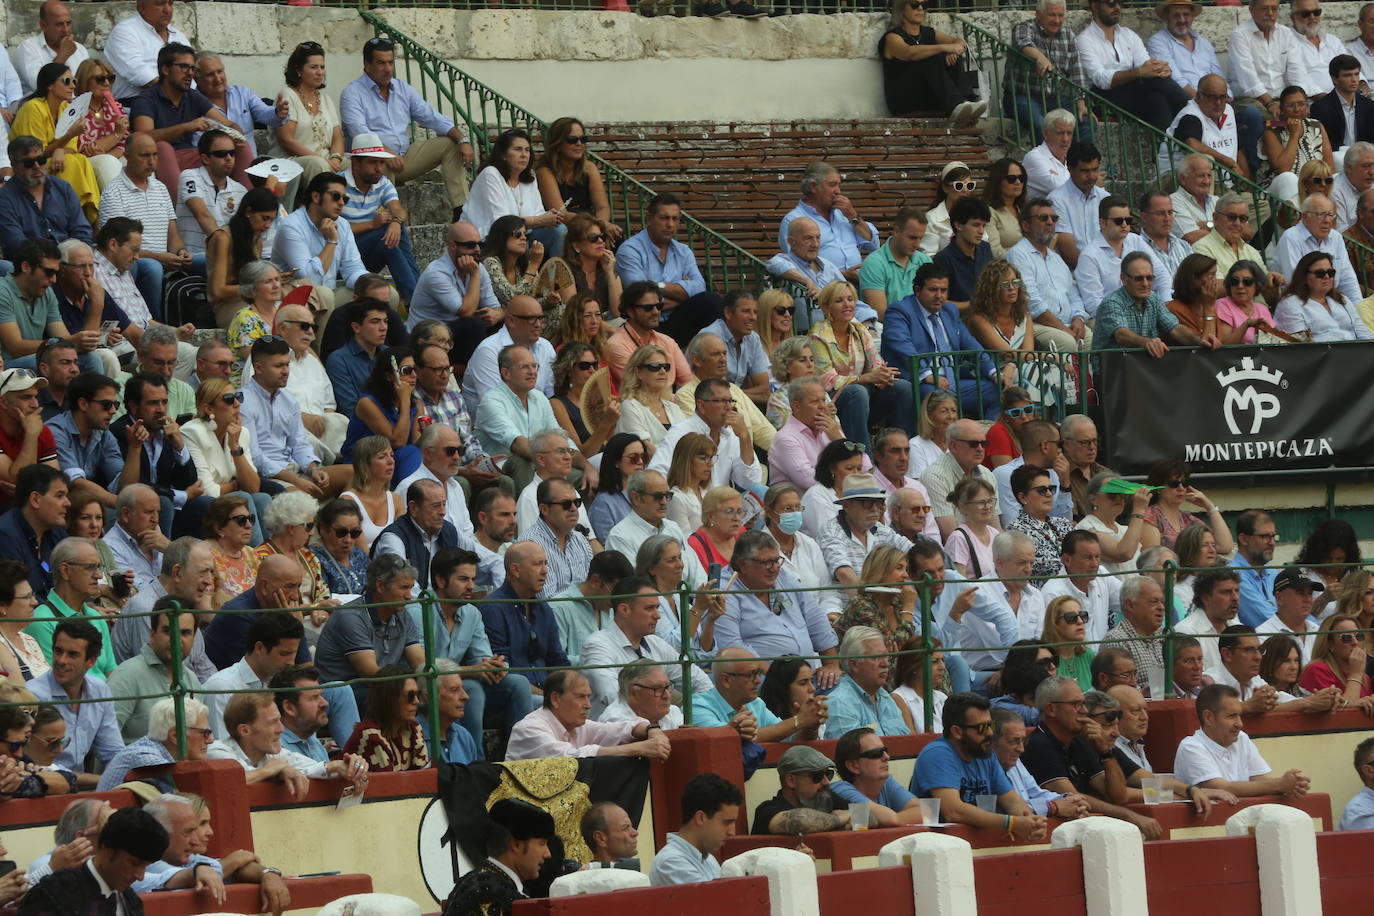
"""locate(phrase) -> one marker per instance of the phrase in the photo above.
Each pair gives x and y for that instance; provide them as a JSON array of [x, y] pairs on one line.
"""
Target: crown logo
[[1248, 373]]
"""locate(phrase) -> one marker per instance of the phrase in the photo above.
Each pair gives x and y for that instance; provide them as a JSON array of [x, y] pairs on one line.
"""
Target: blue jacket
[[17, 543], [906, 334], [60, 220], [526, 642]]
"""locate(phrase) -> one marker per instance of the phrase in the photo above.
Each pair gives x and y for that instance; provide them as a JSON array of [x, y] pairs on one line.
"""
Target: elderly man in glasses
[[441, 449], [649, 497], [805, 803], [562, 531], [803, 262], [1135, 317], [645, 693], [554, 458], [524, 327], [309, 383], [967, 446]]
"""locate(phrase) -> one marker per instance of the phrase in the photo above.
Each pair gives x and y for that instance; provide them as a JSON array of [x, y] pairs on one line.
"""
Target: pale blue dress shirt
[[851, 708], [91, 726], [298, 245], [363, 110], [841, 244], [679, 862], [638, 261], [441, 289], [278, 434]]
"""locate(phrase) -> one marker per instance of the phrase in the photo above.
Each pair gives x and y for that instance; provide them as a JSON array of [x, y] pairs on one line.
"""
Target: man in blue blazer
[[926, 323], [1345, 77]]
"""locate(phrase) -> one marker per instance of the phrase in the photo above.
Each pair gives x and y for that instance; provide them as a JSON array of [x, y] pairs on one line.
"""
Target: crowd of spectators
[[586, 456]]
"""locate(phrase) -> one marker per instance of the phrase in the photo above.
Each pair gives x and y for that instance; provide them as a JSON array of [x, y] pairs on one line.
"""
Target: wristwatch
[[662, 286], [269, 870], [236, 452]]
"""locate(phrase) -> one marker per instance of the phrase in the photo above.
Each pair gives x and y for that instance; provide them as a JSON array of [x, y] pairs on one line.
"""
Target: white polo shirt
[[1199, 759], [221, 202]]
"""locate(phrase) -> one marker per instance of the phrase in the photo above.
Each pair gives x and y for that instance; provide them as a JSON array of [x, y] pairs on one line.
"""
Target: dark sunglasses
[[1322, 273], [650, 306], [106, 403], [29, 162], [1176, 483], [656, 367], [1121, 220], [378, 44], [468, 245], [452, 450], [596, 237], [338, 196], [820, 776], [974, 443], [233, 397], [1326, 180], [1241, 281], [586, 365], [575, 141], [220, 153], [876, 753], [244, 520], [1348, 637], [303, 325], [103, 78], [566, 505], [982, 728], [788, 310], [413, 696], [1018, 179], [1074, 617], [341, 532], [407, 370]]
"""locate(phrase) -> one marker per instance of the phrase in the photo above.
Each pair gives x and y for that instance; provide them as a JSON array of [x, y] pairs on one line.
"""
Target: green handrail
[[484, 111], [1129, 145]]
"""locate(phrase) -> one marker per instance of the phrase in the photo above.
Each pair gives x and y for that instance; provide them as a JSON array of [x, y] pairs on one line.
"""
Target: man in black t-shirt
[[1071, 752], [805, 803]]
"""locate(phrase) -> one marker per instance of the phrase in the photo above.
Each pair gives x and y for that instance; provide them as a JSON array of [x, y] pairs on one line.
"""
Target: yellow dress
[[35, 119]]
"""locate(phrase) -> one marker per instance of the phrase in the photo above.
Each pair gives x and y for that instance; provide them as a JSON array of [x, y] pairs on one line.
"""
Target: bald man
[[735, 701], [967, 446], [522, 628], [278, 586], [457, 290], [54, 43], [309, 383], [803, 263], [1206, 125]]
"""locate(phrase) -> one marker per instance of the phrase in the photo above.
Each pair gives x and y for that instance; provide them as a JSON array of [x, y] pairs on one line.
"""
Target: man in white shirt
[[735, 464], [1240, 665], [1315, 233], [1123, 72], [1045, 166], [1293, 600], [1194, 202], [649, 496], [441, 449], [633, 634], [254, 724], [1206, 125], [524, 326], [207, 196], [553, 457], [325, 427], [1099, 264], [133, 44], [1219, 755], [1315, 48], [1262, 58], [53, 44], [1356, 177], [560, 727], [1362, 46], [1216, 599], [1076, 201], [645, 693], [274, 640]]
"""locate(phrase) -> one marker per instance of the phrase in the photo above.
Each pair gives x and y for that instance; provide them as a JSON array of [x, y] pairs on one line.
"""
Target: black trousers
[[1156, 100]]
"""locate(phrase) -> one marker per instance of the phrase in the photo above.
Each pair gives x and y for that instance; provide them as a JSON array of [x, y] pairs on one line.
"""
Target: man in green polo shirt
[[889, 273], [28, 305], [149, 673], [75, 566]]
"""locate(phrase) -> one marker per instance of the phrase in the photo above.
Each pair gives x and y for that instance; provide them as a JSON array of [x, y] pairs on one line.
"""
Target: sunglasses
[[575, 141], [220, 153], [1007, 286], [567, 505], [338, 196], [1047, 217], [469, 246], [1121, 220], [820, 776], [1016, 179], [1016, 413], [650, 306], [231, 398], [452, 450], [1324, 273], [244, 520], [308, 526], [1043, 490], [1349, 637], [103, 78], [586, 365], [518, 234], [1241, 281], [974, 443], [412, 696], [665, 497], [596, 238], [633, 458], [379, 44], [1074, 617], [1141, 278], [1176, 483], [303, 325], [407, 370], [656, 367], [106, 403], [788, 310], [1327, 180], [982, 728], [29, 162], [876, 753], [964, 185], [341, 533]]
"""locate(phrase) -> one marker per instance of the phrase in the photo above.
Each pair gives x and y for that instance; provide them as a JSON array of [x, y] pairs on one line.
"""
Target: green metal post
[[684, 614], [928, 664], [178, 687], [1170, 572], [436, 741]]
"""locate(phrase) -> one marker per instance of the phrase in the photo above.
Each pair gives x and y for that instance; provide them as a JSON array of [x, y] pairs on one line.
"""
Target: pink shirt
[[1230, 313], [794, 454], [621, 345], [540, 734]]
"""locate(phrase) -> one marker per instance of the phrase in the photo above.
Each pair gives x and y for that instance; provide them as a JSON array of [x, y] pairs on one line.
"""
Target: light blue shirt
[[1007, 505], [246, 109], [822, 276], [679, 862], [129, 555], [1299, 241], [743, 358], [1189, 67], [1078, 214], [1048, 282], [298, 245], [1256, 592], [458, 745], [99, 457], [638, 261], [466, 643], [483, 373], [91, 726], [501, 418], [1033, 794], [801, 629], [851, 708], [363, 110], [841, 244], [156, 876], [274, 419], [1359, 813], [309, 746], [710, 708], [892, 795], [441, 289], [987, 620]]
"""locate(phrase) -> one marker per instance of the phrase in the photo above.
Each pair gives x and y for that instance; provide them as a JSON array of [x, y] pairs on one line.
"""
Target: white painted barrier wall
[[941, 872], [1113, 864], [1286, 850], [791, 878]]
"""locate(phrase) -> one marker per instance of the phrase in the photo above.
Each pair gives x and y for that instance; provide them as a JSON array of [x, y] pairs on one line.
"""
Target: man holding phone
[[152, 442]]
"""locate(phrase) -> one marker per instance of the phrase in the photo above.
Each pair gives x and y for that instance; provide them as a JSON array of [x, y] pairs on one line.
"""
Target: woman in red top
[[389, 736], [1017, 411], [722, 511], [1338, 661]]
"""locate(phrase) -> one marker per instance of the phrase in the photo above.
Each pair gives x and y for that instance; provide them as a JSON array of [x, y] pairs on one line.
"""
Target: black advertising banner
[[1240, 409]]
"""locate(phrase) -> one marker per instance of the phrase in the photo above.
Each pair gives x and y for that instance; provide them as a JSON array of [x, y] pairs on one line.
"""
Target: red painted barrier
[[1347, 870], [736, 896], [306, 893], [695, 750], [1173, 720], [1028, 883], [18, 813]]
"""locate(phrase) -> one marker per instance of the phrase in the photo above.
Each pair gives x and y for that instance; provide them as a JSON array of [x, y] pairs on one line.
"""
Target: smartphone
[[567, 203], [7, 866], [184, 418], [713, 576], [395, 368]]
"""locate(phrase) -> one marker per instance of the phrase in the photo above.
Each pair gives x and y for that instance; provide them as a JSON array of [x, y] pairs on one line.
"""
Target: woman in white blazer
[[222, 449]]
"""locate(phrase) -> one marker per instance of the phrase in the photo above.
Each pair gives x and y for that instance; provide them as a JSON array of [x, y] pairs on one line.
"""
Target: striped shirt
[[567, 564], [120, 286], [362, 206], [151, 206]]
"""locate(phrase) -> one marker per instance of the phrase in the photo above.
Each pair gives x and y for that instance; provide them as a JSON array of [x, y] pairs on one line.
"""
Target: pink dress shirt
[[540, 734], [793, 456]]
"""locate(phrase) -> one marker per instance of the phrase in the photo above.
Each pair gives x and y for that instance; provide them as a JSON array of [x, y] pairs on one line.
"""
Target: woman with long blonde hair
[[647, 407], [689, 475], [885, 600]]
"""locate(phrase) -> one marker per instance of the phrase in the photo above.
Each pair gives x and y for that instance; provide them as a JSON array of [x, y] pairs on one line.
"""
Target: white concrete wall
[[605, 66]]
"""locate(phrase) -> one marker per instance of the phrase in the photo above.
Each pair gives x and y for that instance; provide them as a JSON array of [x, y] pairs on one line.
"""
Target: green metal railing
[[485, 113], [679, 7], [1130, 146]]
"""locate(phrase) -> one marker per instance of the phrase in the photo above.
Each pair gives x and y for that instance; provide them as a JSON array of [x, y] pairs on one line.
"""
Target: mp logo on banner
[[1260, 405]]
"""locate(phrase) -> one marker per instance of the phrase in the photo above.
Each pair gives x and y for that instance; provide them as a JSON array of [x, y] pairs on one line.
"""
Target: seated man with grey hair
[[709, 358], [159, 747], [1008, 611], [456, 744], [85, 308], [1355, 178], [308, 383], [560, 728], [356, 641], [1047, 166], [422, 532], [1136, 631], [255, 729], [1318, 231], [645, 692], [649, 497], [74, 838], [861, 697], [716, 417], [812, 425], [179, 867], [1229, 238], [553, 455], [803, 263], [441, 460], [75, 584], [845, 237], [162, 352]]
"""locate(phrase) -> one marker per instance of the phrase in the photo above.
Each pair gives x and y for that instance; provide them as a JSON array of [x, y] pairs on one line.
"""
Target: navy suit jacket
[[906, 334], [1327, 109]]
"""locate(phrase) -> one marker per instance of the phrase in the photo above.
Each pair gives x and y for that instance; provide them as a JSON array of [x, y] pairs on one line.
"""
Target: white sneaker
[[963, 115]]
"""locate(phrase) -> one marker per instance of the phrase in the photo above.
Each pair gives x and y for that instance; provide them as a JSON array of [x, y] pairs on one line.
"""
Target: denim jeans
[[510, 698], [148, 279], [858, 406], [1031, 113], [399, 260], [552, 237]]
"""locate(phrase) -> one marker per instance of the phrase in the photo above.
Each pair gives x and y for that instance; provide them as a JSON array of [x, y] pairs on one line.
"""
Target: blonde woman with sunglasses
[[1066, 626], [647, 407], [221, 448]]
